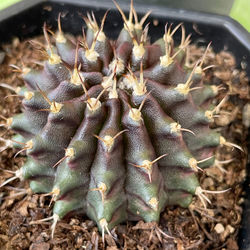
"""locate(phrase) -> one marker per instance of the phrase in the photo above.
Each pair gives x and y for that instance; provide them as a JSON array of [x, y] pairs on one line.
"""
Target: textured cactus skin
[[129, 192]]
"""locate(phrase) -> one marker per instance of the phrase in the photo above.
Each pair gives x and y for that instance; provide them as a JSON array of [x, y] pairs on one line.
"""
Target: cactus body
[[113, 129]]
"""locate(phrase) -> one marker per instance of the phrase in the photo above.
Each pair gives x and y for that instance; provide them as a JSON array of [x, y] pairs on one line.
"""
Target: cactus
[[116, 130]]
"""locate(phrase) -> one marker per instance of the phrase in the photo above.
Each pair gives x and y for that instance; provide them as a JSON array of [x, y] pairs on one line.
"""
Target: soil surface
[[214, 227]]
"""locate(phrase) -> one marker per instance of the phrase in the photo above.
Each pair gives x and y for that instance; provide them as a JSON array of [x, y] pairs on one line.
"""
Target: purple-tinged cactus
[[116, 129]]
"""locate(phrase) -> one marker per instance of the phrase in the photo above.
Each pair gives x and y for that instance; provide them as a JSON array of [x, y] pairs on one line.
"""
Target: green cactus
[[114, 129]]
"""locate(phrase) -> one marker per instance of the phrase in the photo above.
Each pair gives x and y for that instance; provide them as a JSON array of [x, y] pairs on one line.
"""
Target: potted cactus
[[116, 127]]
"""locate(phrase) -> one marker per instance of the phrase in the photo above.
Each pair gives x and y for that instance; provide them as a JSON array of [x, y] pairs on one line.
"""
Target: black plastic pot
[[26, 18]]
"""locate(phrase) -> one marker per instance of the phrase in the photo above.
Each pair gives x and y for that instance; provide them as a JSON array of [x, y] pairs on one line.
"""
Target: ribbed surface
[[118, 131]]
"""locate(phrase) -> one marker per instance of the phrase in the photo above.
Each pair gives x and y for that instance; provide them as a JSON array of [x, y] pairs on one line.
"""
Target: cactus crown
[[116, 129]]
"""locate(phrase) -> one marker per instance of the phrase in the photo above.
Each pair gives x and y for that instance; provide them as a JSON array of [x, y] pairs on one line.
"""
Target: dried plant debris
[[211, 221]]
